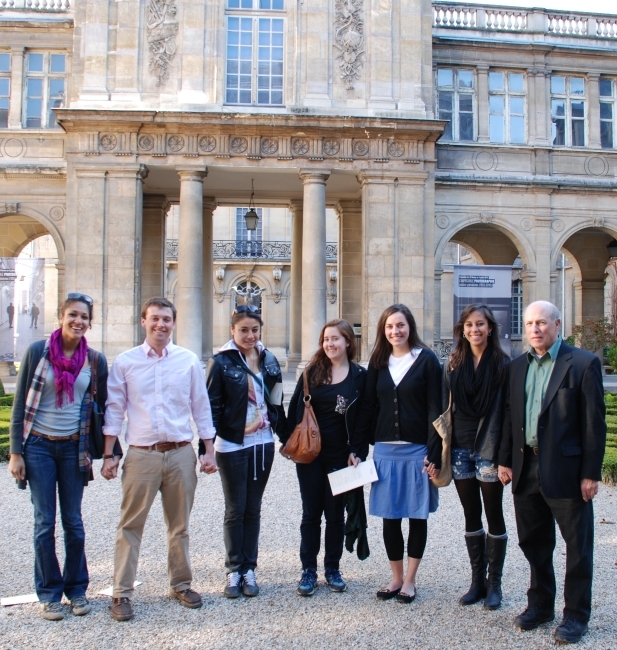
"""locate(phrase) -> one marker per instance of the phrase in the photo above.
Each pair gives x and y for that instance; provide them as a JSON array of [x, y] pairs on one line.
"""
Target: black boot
[[496, 551], [477, 556]]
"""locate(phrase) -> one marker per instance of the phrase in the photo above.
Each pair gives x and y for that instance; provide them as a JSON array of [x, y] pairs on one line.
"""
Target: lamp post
[[251, 217]]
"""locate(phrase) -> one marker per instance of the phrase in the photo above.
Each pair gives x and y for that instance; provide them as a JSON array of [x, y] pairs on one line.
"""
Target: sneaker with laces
[[52, 611], [249, 584], [234, 583], [335, 581], [308, 583], [122, 609], [80, 605]]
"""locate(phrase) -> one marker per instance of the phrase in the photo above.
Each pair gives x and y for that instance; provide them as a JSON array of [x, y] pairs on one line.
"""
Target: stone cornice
[[33, 172]]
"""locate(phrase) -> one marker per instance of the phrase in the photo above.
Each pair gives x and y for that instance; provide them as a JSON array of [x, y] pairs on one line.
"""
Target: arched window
[[242, 287]]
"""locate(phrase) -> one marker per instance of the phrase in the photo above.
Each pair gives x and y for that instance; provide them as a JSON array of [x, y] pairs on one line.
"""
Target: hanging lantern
[[251, 217]]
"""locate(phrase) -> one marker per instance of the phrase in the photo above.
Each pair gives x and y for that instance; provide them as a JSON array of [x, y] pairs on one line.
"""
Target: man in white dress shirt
[[160, 386]]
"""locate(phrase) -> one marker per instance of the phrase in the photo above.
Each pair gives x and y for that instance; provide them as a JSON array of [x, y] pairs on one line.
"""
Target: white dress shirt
[[159, 396]]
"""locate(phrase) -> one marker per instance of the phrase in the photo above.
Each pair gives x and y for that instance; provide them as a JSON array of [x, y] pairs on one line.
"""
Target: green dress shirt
[[538, 376]]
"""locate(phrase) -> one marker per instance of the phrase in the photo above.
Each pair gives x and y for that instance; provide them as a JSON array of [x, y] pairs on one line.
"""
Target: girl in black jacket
[[246, 394], [336, 386], [475, 380], [402, 399]]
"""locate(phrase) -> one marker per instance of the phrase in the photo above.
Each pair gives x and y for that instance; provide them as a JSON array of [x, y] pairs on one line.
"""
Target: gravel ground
[[279, 618]]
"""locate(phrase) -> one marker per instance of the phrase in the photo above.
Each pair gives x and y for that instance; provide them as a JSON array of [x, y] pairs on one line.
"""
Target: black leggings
[[395, 544], [492, 493]]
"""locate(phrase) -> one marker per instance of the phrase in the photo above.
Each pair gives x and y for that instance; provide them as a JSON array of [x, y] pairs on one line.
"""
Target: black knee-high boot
[[477, 556], [496, 551]]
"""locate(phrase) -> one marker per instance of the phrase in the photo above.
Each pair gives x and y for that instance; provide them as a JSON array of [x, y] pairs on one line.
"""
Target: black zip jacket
[[358, 443], [228, 392], [490, 427]]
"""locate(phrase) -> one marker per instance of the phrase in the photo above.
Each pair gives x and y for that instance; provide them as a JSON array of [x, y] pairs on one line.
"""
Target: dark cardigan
[[405, 412]]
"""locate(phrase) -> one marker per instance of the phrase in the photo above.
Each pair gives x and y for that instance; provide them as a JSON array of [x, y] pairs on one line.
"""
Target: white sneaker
[[234, 582]]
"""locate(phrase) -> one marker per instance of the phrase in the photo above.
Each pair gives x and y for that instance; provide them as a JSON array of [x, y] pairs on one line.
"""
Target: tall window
[[506, 107], [5, 88], [607, 113], [455, 103], [568, 111], [254, 53], [248, 242], [517, 308], [44, 88]]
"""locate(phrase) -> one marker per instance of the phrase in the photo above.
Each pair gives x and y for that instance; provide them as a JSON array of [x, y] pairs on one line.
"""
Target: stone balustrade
[[512, 19], [36, 5]]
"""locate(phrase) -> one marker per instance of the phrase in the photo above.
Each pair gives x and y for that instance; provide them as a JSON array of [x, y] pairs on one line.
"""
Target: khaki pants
[[145, 473]]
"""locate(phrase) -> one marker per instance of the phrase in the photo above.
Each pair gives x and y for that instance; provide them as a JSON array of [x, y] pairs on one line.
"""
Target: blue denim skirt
[[403, 491]]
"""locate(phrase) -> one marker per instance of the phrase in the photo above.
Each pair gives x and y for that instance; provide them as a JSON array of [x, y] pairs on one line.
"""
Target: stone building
[[377, 135]]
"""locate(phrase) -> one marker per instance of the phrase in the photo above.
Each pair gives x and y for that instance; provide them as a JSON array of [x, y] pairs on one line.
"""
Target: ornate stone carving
[[277, 274], [331, 147], [269, 146], [162, 29], [349, 38], [443, 221], [396, 149], [175, 143], [558, 225], [238, 145], [360, 148], [57, 213], [207, 143], [10, 208], [486, 217], [526, 224], [300, 146], [598, 222], [146, 142], [332, 277], [108, 142]]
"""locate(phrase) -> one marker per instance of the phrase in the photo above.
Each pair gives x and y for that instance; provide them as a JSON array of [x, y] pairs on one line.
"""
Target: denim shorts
[[467, 464]]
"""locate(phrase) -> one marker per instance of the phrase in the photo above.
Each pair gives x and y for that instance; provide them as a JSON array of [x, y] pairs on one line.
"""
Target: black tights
[[492, 493], [395, 544]]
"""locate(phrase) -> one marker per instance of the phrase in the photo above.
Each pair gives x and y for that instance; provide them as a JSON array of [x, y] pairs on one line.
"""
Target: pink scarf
[[66, 370]]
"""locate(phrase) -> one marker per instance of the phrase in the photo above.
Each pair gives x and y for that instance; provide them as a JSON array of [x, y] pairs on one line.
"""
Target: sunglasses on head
[[242, 309], [81, 297]]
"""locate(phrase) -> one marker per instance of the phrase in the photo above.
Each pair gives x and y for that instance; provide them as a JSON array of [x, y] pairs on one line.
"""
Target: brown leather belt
[[163, 446], [38, 434]]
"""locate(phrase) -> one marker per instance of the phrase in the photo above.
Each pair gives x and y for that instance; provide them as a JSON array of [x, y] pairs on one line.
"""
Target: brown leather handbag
[[304, 444]]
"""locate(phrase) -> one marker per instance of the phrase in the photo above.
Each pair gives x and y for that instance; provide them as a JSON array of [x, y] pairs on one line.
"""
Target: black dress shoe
[[386, 594], [533, 617], [570, 631], [406, 598]]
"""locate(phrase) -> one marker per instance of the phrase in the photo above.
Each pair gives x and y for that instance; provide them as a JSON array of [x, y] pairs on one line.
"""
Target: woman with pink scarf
[[49, 434]]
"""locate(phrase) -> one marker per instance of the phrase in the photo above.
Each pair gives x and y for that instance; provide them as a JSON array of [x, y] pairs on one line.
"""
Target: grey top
[[54, 421]]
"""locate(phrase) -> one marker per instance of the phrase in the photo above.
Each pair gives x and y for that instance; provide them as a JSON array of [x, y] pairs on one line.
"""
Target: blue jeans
[[467, 464], [49, 464]]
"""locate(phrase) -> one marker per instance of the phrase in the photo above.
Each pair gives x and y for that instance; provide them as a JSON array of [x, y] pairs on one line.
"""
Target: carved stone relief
[[349, 38], [162, 29]]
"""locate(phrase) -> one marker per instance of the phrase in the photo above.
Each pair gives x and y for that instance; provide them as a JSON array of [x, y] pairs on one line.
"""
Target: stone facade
[[400, 127]]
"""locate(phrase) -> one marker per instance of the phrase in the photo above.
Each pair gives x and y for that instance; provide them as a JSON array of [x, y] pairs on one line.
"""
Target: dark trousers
[[535, 521], [317, 499], [244, 482]]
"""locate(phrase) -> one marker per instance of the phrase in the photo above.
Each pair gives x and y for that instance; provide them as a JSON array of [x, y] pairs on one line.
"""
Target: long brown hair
[[493, 347], [383, 349], [319, 369]]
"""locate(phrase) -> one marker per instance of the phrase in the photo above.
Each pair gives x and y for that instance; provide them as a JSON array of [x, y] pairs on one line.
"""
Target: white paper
[[110, 590], [350, 478], [19, 600]]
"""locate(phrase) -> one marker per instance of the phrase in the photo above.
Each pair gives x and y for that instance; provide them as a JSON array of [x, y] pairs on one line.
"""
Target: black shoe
[[402, 597], [570, 631], [307, 584], [233, 585], [496, 552], [386, 594], [476, 547], [335, 580], [533, 617]]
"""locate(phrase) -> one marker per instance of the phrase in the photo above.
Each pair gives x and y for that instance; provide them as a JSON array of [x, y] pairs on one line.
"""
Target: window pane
[[578, 133], [496, 104], [558, 85], [559, 131], [233, 4], [517, 129], [56, 88], [606, 88], [247, 4], [495, 80], [233, 23], [577, 86], [57, 63], [465, 103], [558, 108], [5, 62], [515, 82], [35, 62], [444, 77], [34, 111], [465, 127], [578, 109], [496, 128], [447, 133], [4, 87], [445, 102], [278, 4], [517, 105], [232, 96], [465, 79], [606, 135], [606, 110]]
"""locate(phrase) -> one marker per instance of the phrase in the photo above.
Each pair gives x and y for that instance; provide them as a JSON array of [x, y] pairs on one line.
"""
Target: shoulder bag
[[96, 439], [304, 444], [443, 426]]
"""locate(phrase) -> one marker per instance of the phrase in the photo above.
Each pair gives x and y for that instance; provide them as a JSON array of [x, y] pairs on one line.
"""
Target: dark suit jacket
[[571, 425]]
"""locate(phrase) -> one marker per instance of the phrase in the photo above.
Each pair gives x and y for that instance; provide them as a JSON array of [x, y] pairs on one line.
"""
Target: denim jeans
[[243, 493], [317, 499], [49, 464], [467, 464]]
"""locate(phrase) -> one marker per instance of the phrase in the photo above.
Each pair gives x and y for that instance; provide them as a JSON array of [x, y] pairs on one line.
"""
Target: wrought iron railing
[[258, 250], [443, 349]]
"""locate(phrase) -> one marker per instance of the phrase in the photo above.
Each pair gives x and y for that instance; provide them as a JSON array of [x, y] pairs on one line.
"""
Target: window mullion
[[255, 61]]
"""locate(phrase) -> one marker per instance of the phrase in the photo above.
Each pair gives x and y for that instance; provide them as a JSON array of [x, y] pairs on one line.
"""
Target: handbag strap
[[307, 396], [94, 363]]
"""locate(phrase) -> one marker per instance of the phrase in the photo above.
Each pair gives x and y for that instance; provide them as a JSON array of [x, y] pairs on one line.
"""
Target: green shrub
[[7, 400], [611, 357], [2, 393], [609, 466]]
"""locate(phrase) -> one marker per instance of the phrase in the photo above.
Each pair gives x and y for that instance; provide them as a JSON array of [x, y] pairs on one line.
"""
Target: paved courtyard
[[279, 618]]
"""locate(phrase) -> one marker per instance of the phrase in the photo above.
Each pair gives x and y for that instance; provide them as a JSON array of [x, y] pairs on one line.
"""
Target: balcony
[[250, 250], [37, 5]]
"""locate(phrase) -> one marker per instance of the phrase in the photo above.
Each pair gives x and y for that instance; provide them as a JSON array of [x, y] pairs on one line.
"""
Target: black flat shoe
[[406, 598], [386, 594]]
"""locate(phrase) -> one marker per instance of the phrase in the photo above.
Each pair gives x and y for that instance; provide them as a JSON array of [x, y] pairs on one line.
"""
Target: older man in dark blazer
[[552, 451]]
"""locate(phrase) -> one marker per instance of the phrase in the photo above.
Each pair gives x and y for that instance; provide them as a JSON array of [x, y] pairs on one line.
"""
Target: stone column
[[295, 303], [207, 293], [153, 247], [577, 286], [483, 114], [190, 260], [350, 260], [593, 299], [17, 90], [542, 248], [437, 318], [593, 93], [61, 283], [93, 16], [313, 259]]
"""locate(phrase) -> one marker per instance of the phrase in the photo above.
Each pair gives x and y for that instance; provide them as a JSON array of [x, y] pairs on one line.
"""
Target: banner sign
[[487, 285]]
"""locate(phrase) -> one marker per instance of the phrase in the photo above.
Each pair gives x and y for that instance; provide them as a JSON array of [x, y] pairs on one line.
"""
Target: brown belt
[[38, 434], [163, 446]]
